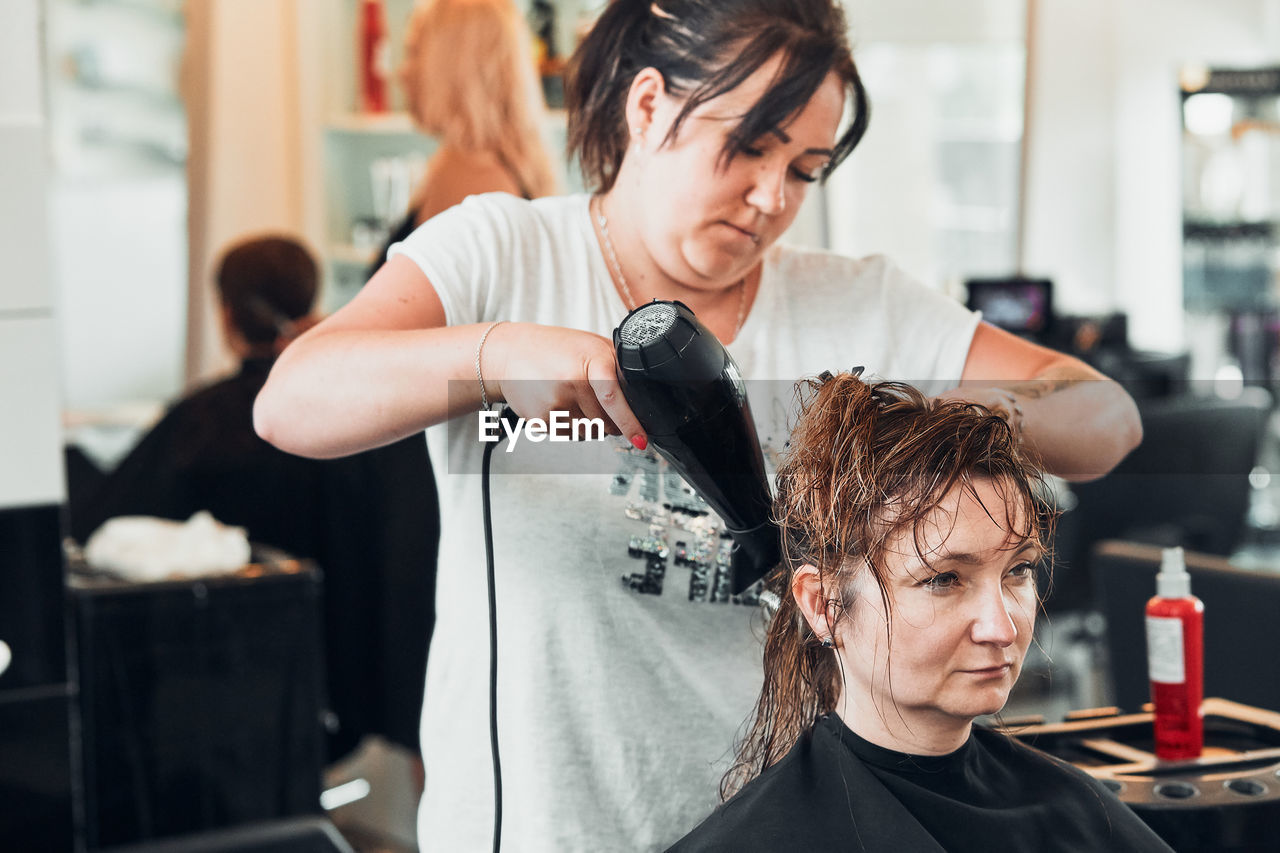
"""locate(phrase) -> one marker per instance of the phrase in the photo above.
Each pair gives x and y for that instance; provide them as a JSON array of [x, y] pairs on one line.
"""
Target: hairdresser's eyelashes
[[798, 174]]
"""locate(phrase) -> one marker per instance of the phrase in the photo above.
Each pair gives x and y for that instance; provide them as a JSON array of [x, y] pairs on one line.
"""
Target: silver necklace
[[630, 301]]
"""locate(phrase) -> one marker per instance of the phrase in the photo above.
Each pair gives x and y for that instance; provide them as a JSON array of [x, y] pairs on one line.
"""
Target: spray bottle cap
[[1173, 580]]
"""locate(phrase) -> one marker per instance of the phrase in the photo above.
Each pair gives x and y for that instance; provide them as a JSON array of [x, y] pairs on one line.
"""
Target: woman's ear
[[646, 101], [815, 601]]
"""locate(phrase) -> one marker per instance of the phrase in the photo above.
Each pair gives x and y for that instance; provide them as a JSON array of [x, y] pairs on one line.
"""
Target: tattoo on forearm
[[1037, 388]]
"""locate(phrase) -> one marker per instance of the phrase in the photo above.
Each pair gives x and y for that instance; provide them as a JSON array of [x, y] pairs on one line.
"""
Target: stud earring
[[828, 643]]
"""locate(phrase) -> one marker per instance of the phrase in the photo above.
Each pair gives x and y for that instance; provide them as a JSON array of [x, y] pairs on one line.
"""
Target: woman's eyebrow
[[955, 557], [785, 138], [973, 559]]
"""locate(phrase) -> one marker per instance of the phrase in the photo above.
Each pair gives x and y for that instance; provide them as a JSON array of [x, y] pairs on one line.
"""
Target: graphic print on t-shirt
[[679, 543]]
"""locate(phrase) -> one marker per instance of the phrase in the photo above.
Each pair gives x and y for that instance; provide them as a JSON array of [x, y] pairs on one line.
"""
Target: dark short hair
[[267, 282], [703, 49]]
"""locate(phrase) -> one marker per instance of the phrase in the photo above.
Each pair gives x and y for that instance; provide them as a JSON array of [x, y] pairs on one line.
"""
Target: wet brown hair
[[703, 49], [867, 463]]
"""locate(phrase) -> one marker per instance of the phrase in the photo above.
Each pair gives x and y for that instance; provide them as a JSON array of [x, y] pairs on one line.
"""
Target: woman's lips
[[744, 232], [991, 671]]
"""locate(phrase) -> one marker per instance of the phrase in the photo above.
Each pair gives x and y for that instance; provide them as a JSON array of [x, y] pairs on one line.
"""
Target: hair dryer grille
[[647, 323]]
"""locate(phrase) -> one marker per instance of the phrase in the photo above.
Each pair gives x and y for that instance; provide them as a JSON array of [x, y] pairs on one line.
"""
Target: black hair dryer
[[687, 393]]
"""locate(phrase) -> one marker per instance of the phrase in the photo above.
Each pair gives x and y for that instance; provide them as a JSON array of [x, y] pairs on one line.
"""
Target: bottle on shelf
[[551, 64], [374, 52], [1175, 660]]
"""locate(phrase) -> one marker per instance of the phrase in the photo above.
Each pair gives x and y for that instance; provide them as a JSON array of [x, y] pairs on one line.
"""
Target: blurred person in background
[[470, 82], [370, 521]]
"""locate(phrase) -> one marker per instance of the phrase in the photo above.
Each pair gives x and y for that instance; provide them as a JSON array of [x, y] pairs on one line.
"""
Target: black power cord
[[511, 418]]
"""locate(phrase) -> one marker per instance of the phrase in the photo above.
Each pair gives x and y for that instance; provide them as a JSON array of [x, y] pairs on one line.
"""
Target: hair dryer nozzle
[[686, 391]]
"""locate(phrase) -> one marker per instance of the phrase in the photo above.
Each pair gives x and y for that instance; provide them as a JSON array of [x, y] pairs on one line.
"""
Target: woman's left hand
[[1075, 422], [1000, 401]]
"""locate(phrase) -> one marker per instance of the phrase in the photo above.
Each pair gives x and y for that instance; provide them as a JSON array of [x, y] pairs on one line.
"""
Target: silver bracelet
[[484, 398]]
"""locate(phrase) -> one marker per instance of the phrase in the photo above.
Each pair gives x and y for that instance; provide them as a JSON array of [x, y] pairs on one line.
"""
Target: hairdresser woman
[[701, 124], [908, 592]]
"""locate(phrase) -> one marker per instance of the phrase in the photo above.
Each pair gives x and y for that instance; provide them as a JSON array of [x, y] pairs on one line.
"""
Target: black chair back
[[1187, 484]]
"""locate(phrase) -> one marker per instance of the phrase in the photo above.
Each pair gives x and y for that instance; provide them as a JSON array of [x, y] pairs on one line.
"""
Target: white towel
[[143, 548]]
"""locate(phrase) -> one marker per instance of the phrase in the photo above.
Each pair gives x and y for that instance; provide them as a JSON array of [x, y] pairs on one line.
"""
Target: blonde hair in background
[[470, 79]]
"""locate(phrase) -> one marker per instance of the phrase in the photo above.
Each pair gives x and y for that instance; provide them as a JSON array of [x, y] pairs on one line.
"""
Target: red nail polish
[[639, 442]]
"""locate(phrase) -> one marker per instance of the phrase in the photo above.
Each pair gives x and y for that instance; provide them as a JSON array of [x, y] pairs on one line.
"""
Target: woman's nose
[[768, 192], [994, 622]]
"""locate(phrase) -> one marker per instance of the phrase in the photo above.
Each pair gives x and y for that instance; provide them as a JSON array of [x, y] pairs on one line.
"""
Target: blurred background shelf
[[361, 166], [397, 123]]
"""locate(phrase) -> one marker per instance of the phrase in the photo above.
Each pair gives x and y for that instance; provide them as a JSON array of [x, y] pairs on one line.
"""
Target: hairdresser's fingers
[[589, 407], [1000, 401], [604, 383]]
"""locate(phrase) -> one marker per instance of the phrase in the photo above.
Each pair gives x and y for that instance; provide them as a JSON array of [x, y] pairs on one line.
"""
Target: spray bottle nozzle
[[1173, 581]]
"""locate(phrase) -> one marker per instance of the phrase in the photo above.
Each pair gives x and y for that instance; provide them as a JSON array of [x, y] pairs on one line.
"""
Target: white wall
[[1070, 210], [885, 198], [117, 224], [30, 436], [245, 169], [119, 275]]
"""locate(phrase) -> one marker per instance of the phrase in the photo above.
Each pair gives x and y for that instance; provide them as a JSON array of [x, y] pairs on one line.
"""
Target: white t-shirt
[[625, 670]]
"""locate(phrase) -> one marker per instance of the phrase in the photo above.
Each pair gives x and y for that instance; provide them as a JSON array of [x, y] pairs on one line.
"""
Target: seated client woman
[[911, 530]]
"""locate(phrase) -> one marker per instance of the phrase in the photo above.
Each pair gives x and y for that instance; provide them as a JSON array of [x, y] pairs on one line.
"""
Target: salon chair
[[1186, 484]]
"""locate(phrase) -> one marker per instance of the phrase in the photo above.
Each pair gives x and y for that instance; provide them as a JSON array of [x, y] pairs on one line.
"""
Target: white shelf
[[396, 123], [346, 253], [343, 142], [392, 123]]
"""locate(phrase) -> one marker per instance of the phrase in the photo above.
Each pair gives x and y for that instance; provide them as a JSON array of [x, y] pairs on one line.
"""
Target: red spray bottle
[[1175, 660], [374, 59]]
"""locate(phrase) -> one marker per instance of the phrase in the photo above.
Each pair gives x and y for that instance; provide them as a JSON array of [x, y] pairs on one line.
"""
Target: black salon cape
[[835, 791], [370, 521]]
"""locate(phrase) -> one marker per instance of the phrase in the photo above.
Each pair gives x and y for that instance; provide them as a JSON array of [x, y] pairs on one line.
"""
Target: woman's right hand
[[540, 369]]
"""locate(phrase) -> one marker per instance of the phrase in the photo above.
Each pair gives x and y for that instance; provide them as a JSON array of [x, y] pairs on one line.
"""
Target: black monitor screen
[[1020, 305]]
